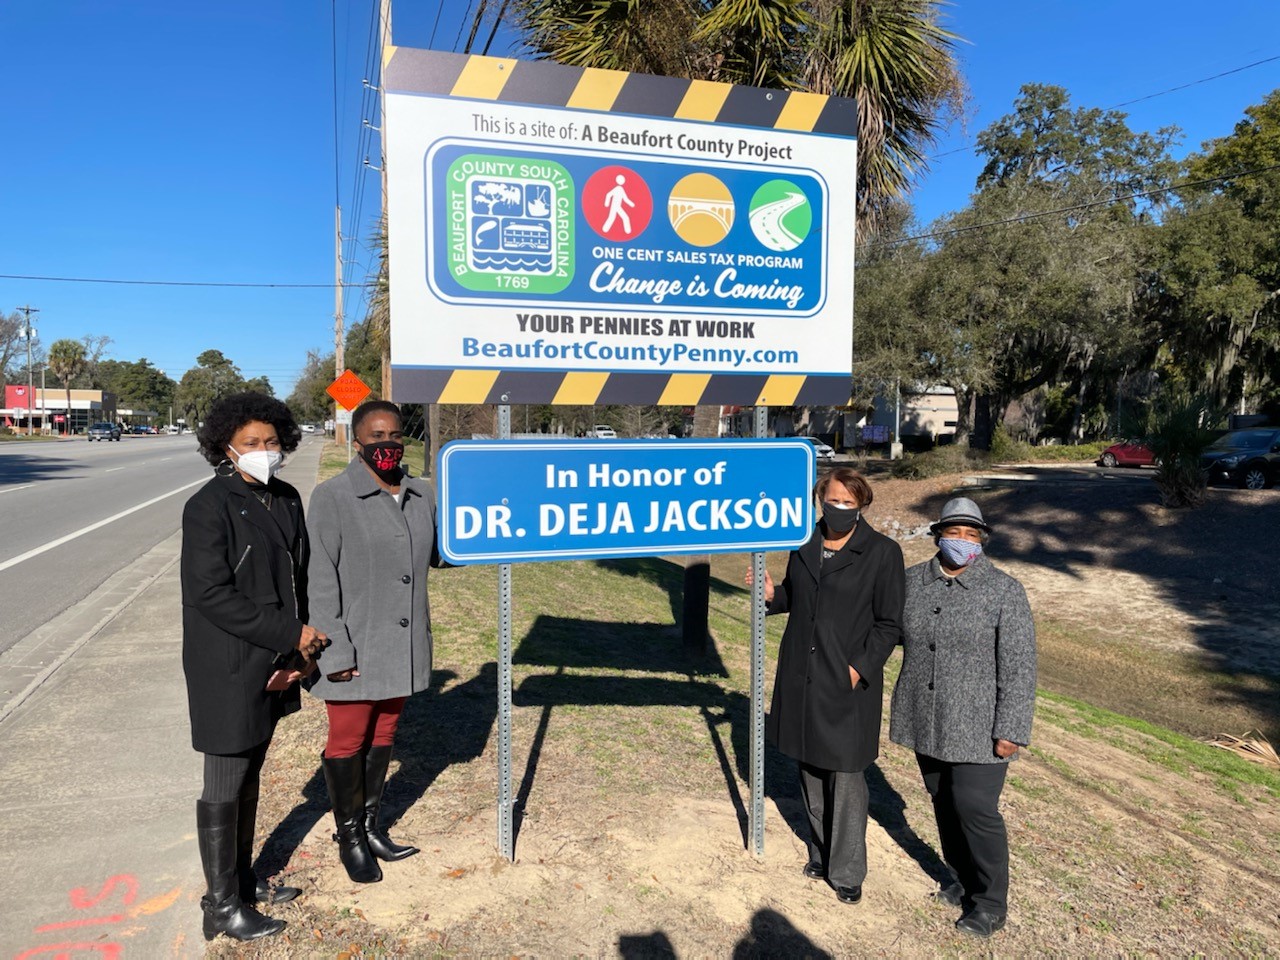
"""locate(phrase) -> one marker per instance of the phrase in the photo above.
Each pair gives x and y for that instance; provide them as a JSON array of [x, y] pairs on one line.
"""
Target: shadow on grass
[[436, 731], [565, 643], [667, 575]]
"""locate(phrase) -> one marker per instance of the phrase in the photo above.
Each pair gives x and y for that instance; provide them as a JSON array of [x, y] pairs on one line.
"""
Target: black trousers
[[837, 802], [966, 804]]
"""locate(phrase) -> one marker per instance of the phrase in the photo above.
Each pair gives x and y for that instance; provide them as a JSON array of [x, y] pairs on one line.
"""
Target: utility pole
[[28, 334], [339, 335], [384, 23], [44, 411]]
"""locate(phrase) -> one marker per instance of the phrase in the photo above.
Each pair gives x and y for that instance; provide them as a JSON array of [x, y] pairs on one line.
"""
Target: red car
[[1126, 453]]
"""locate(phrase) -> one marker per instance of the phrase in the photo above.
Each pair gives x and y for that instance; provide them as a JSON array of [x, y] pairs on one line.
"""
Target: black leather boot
[[224, 911], [344, 777], [253, 890], [376, 762]]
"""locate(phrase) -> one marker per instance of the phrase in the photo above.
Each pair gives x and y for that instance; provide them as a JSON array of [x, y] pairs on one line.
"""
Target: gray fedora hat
[[960, 510]]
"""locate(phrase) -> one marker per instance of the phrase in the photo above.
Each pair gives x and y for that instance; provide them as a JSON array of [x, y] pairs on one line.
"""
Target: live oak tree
[[1217, 292]]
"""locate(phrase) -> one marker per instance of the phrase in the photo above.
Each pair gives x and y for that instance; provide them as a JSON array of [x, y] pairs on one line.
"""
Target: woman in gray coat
[[372, 533], [964, 702]]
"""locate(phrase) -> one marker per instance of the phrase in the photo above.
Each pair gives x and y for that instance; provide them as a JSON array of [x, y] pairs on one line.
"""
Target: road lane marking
[[45, 548], [163, 459], [113, 469], [11, 489]]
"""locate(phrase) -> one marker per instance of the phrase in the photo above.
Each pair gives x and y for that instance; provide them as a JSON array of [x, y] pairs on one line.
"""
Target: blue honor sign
[[513, 501]]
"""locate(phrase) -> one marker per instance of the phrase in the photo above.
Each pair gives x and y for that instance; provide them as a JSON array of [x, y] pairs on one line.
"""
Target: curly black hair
[[232, 412]]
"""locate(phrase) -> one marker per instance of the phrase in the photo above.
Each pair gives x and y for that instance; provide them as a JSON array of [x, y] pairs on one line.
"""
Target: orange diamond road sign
[[348, 390]]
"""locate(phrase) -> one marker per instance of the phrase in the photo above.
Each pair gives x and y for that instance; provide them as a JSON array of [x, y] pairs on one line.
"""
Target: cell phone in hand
[[280, 680]]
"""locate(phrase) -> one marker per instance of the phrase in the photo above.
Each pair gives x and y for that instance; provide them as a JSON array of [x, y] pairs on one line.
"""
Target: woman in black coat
[[245, 641], [844, 591]]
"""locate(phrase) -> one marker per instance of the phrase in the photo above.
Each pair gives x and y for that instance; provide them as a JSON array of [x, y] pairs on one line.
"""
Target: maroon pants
[[357, 725]]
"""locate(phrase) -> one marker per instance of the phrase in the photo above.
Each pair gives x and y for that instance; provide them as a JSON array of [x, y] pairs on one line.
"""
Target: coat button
[[404, 621], [931, 685], [937, 609], [813, 649], [406, 578], [933, 646]]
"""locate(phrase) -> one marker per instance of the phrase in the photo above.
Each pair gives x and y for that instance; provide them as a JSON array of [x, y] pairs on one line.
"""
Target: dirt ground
[[630, 764]]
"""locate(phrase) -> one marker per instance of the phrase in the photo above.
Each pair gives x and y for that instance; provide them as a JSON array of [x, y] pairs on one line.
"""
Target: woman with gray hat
[[964, 702]]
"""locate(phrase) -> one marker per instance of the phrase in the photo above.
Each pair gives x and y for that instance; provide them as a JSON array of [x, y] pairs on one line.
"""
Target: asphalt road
[[73, 513]]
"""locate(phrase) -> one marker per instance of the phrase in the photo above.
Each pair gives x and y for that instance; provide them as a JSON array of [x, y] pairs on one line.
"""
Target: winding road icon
[[780, 215]]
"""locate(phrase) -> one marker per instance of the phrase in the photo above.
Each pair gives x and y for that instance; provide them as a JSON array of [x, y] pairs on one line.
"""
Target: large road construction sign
[[568, 235]]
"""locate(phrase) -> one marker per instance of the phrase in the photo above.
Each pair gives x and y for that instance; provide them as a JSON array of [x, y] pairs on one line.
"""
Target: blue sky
[[194, 142]]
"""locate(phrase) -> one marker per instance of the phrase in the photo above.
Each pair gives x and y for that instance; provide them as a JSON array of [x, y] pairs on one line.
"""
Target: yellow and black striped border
[[542, 83]]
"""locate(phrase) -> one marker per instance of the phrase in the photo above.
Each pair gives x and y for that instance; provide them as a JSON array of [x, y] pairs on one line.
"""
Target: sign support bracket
[[506, 835], [755, 819]]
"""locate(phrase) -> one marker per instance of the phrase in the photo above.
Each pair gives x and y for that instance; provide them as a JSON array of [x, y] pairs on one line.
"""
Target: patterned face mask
[[957, 552], [383, 458]]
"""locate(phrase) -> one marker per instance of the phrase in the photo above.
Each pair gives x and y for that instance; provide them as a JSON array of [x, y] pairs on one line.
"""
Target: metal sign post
[[506, 836], [755, 819]]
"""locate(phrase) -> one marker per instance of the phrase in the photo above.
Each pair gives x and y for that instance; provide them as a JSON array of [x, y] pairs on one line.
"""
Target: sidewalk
[[98, 780]]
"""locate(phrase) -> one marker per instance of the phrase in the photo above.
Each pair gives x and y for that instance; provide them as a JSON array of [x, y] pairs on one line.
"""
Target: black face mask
[[384, 459], [840, 520]]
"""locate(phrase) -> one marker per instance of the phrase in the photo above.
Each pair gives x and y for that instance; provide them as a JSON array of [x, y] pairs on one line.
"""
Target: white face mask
[[262, 465]]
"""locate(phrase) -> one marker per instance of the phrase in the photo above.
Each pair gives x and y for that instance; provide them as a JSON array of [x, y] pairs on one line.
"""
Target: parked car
[[142, 431], [1247, 458], [307, 427], [103, 431], [1126, 453], [173, 429], [824, 451], [602, 431]]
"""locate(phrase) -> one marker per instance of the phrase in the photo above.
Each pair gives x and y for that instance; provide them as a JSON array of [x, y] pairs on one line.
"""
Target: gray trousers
[[836, 801]]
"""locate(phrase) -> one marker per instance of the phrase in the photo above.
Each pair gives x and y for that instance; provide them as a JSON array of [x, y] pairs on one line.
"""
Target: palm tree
[[893, 57], [67, 361]]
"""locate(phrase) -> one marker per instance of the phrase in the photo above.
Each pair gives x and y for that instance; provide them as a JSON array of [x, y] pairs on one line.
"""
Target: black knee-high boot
[[224, 911], [344, 777], [376, 762], [251, 888]]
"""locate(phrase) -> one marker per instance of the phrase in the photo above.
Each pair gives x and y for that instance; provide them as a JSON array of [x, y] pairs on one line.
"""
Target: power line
[[431, 44], [462, 23], [1025, 217], [1126, 103], [170, 283], [1184, 86]]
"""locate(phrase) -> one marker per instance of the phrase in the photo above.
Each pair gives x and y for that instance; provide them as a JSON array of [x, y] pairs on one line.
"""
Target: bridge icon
[[680, 209]]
